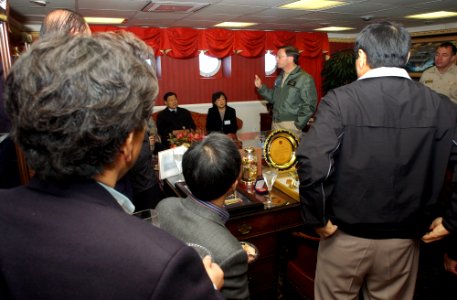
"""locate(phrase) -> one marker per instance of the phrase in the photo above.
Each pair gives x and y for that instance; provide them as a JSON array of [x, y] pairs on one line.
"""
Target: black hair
[[217, 95], [168, 94], [449, 44], [210, 167], [386, 44], [291, 51]]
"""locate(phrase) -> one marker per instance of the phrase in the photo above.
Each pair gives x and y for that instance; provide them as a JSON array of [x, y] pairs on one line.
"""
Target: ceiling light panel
[[313, 4], [434, 15]]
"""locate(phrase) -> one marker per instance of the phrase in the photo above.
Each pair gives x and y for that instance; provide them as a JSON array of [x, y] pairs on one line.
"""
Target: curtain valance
[[188, 42]]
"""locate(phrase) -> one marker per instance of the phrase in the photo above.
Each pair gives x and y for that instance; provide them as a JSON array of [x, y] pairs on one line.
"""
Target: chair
[[301, 266]]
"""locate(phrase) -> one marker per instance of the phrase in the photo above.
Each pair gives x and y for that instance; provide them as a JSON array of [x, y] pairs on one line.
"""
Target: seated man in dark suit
[[172, 118], [211, 169], [78, 107]]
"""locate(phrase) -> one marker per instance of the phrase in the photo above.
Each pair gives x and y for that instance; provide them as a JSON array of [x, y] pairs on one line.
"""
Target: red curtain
[[250, 43], [188, 42], [180, 42], [217, 42], [277, 39]]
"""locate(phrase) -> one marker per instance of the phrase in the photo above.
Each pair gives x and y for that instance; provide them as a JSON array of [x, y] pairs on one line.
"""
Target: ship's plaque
[[279, 149]]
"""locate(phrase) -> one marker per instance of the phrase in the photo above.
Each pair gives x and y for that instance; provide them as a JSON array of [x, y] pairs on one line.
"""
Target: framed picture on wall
[[423, 53]]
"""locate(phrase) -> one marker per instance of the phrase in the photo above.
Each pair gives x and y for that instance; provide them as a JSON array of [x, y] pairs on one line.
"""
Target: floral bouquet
[[184, 137]]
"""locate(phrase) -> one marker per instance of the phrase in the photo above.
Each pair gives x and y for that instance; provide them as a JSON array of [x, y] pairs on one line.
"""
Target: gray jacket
[[191, 222]]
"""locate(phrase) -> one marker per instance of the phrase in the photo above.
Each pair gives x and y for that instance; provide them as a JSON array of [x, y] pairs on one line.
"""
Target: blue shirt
[[123, 201]]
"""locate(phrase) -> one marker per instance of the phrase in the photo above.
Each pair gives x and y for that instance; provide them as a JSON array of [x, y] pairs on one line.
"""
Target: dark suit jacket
[[76, 242], [215, 123], [168, 121], [191, 222]]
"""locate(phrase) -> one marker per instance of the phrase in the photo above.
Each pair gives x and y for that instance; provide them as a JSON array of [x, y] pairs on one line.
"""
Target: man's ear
[[234, 185], [362, 59], [126, 149]]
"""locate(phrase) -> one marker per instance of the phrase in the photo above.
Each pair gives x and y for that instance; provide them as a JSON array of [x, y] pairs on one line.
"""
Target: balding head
[[63, 21]]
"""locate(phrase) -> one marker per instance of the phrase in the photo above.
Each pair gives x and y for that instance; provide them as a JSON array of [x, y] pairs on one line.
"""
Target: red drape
[[180, 42], [276, 39], [188, 42], [250, 43], [150, 36], [217, 42]]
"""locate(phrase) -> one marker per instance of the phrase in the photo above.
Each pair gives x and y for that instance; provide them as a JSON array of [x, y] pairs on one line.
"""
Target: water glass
[[149, 215]]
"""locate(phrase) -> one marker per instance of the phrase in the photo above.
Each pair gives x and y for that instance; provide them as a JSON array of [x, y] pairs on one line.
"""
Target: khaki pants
[[289, 125], [383, 269]]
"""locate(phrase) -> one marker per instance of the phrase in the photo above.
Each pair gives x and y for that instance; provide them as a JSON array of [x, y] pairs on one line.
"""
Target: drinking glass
[[177, 156], [178, 160], [149, 215], [269, 175]]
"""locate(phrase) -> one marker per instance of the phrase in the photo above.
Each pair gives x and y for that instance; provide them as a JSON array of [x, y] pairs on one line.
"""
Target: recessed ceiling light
[[235, 24], [333, 28], [312, 4], [434, 15], [97, 20]]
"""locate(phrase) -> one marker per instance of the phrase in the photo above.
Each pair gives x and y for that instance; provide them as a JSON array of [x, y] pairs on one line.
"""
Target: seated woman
[[221, 118]]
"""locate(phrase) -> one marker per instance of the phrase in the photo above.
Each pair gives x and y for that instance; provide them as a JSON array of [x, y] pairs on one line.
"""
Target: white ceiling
[[264, 12]]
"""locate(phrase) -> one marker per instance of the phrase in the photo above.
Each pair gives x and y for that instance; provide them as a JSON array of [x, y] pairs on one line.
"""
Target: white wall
[[248, 111]]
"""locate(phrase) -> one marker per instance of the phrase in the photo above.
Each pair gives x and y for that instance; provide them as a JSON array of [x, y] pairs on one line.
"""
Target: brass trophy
[[249, 167]]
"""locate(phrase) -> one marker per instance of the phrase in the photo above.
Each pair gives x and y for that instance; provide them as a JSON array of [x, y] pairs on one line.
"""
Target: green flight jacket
[[295, 101]]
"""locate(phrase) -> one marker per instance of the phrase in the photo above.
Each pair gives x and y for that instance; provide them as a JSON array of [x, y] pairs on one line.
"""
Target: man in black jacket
[[371, 169], [173, 118]]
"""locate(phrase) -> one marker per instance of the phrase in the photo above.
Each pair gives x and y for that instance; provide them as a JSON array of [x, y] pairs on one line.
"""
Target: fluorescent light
[[97, 20], [434, 15], [333, 28], [235, 24], [312, 4]]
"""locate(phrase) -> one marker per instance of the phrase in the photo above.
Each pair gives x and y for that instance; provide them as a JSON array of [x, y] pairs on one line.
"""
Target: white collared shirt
[[385, 72]]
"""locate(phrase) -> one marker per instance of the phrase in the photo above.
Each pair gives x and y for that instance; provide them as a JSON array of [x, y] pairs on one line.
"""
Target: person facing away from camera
[[78, 107], [371, 168], [211, 169], [64, 21]]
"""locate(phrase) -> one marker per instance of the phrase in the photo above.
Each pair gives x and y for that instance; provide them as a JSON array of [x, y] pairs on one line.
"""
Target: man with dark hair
[[140, 183], [63, 21], [371, 168], [293, 96], [173, 118], [211, 169], [442, 77], [78, 107]]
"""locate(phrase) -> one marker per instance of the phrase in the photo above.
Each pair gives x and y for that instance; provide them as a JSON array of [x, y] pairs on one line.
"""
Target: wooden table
[[266, 229]]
